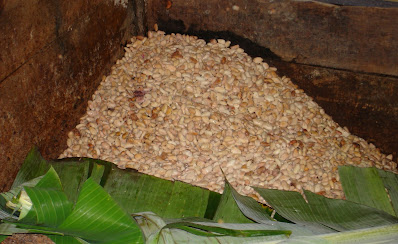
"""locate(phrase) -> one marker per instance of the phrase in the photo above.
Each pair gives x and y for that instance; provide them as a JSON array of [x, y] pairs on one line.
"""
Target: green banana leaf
[[227, 206], [315, 219], [133, 191], [383, 234], [371, 187], [157, 231], [136, 192], [369, 203], [252, 209], [325, 213], [95, 217], [390, 182], [9, 229], [6, 213]]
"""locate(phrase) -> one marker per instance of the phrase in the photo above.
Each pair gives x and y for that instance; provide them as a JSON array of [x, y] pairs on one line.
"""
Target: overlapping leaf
[[227, 206], [368, 186], [96, 217], [133, 191], [252, 209], [50, 204], [323, 212], [157, 231]]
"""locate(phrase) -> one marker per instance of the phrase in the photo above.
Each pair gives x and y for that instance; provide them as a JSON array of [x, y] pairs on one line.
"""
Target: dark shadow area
[[362, 3], [250, 47]]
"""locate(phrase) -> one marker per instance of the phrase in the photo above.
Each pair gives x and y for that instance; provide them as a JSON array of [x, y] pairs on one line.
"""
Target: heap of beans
[[179, 108]]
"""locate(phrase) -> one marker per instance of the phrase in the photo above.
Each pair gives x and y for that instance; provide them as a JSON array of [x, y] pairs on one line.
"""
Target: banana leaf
[[133, 191], [316, 219], [370, 204], [252, 209], [180, 231], [95, 217], [48, 189], [325, 213], [229, 205], [136, 192], [371, 187], [383, 234], [157, 231]]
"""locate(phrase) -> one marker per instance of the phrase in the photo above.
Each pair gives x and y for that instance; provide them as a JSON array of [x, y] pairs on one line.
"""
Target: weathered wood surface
[[53, 55], [356, 38]]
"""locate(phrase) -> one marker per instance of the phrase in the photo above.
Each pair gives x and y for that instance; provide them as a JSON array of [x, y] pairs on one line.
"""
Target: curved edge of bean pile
[[179, 108]]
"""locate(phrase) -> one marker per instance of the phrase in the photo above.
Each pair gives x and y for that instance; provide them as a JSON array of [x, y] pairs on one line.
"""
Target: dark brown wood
[[356, 38], [53, 55]]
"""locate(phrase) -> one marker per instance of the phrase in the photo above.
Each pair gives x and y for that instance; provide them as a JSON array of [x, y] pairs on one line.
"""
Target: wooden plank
[[53, 56], [345, 37]]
